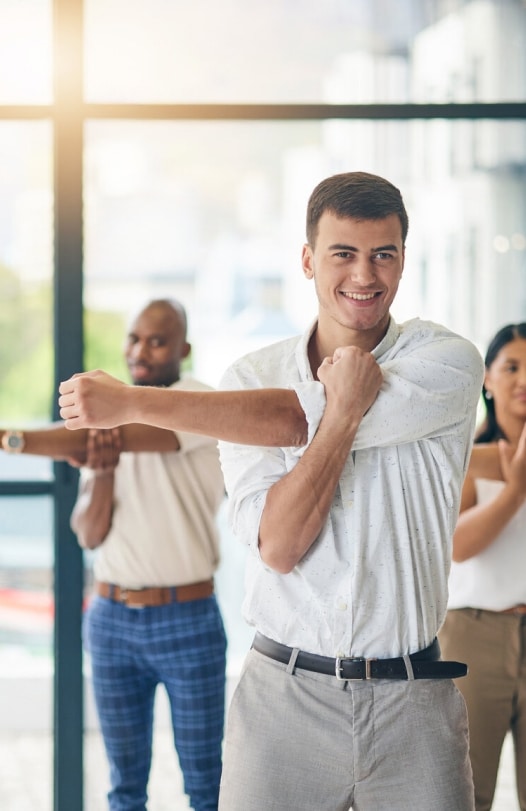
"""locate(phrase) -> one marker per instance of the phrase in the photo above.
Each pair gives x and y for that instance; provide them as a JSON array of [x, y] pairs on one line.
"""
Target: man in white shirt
[[343, 701]]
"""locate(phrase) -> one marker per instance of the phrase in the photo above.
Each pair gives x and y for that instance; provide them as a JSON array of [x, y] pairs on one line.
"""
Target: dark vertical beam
[[68, 723]]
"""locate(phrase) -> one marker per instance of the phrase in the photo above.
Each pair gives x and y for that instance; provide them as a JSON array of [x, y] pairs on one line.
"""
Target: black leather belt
[[425, 664]]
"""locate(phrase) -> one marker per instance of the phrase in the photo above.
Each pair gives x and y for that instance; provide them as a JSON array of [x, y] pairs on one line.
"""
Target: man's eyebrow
[[385, 248], [341, 247]]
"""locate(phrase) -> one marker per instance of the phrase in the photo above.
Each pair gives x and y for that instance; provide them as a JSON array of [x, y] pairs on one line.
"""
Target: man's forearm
[[56, 442], [271, 417], [53, 440], [93, 511]]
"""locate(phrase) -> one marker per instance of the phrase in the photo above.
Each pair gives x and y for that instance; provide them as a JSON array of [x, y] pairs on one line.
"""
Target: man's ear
[[187, 348], [307, 261]]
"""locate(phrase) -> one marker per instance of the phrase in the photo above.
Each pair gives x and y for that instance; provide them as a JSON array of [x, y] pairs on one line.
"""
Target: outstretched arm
[[52, 440], [271, 417], [60, 444]]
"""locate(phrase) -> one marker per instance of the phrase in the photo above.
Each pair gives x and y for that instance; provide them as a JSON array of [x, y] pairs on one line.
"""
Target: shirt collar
[[302, 349], [302, 352], [388, 341]]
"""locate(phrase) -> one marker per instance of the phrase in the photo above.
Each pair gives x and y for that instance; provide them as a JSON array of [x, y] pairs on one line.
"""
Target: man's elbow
[[300, 430], [86, 540], [276, 559]]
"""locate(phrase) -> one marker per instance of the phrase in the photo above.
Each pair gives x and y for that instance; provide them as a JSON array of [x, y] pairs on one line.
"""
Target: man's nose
[[362, 272], [139, 350]]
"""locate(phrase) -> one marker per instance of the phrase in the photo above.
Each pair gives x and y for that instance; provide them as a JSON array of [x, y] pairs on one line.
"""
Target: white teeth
[[360, 296]]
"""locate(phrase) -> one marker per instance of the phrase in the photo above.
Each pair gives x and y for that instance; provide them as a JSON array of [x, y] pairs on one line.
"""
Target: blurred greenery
[[26, 349]]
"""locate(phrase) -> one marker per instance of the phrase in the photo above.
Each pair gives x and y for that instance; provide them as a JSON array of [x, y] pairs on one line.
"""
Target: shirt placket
[[346, 528]]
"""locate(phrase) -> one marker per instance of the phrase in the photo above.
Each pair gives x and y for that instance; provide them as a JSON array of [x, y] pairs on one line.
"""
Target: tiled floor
[[26, 775]]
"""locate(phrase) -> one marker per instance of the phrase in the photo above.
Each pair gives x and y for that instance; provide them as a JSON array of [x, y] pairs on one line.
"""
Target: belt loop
[[292, 661], [408, 667]]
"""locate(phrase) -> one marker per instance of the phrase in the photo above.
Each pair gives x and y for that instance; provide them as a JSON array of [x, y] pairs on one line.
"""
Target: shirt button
[[341, 605]]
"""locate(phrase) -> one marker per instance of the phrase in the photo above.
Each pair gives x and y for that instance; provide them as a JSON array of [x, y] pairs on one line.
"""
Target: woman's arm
[[479, 525], [484, 462]]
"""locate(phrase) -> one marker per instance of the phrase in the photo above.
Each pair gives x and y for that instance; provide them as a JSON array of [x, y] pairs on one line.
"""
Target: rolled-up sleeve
[[425, 394]]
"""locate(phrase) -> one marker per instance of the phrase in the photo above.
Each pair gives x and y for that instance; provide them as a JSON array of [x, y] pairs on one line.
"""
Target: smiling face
[[505, 380], [356, 266], [155, 345]]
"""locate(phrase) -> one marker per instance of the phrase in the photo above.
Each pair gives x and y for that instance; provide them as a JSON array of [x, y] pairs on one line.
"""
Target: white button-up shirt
[[374, 583]]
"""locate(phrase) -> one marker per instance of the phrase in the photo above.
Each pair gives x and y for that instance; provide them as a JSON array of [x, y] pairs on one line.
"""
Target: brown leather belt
[[516, 609], [155, 595]]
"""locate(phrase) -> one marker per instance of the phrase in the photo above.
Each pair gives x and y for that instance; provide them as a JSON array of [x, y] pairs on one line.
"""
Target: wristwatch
[[13, 441]]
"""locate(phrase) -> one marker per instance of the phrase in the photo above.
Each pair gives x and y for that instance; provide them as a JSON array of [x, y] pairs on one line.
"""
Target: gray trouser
[[302, 741]]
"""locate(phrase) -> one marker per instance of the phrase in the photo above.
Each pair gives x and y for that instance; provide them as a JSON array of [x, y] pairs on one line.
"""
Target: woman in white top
[[486, 620]]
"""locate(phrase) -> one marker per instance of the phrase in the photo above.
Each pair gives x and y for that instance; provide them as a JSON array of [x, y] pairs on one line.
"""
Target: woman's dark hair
[[490, 430]]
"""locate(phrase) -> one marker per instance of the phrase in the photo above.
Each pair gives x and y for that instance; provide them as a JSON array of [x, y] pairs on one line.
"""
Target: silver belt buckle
[[339, 669]]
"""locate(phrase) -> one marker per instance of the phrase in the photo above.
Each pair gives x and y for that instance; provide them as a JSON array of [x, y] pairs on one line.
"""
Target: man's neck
[[323, 345]]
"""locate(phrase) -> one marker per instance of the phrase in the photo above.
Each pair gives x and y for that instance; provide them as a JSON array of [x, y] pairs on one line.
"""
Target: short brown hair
[[359, 195]]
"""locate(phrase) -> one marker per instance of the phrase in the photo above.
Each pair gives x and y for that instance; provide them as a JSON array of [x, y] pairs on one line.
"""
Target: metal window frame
[[68, 114]]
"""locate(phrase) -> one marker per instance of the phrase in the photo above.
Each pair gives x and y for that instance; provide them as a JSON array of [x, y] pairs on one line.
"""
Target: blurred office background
[[166, 148]]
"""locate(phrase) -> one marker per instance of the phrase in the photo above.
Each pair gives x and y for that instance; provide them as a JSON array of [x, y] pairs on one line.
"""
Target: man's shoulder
[[436, 342], [425, 329], [419, 330]]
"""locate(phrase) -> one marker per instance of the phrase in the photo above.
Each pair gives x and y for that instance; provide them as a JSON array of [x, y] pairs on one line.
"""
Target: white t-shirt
[[374, 583], [164, 530]]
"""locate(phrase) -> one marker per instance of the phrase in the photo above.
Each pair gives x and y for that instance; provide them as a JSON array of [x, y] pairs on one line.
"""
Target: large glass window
[[25, 52], [26, 392], [26, 263], [26, 375], [365, 51], [214, 213]]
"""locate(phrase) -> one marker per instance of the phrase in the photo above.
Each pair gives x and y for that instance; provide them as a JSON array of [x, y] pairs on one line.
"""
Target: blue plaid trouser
[[183, 647]]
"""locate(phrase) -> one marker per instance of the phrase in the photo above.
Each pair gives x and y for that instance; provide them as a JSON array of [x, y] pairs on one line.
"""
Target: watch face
[[13, 442]]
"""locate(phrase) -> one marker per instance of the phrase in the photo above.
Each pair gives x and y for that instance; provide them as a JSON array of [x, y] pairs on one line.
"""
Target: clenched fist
[[93, 400]]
